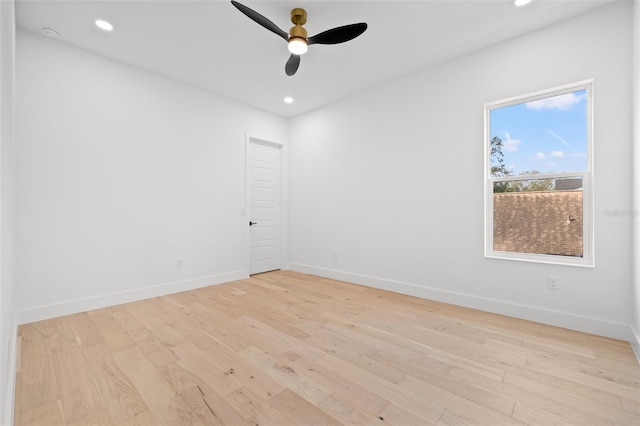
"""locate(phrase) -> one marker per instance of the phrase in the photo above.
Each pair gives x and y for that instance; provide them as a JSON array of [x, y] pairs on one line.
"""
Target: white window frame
[[587, 259]]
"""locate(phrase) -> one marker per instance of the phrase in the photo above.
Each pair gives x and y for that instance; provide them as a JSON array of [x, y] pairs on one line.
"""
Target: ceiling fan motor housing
[[299, 18]]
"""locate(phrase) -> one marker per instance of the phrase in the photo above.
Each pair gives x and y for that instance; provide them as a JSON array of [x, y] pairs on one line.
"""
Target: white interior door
[[264, 206]]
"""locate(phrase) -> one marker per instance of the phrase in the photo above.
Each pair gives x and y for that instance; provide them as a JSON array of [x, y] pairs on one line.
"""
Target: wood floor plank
[[465, 361], [84, 331], [612, 374], [258, 380], [436, 375], [168, 408], [180, 378], [548, 367], [47, 414], [544, 381], [216, 375], [477, 408], [395, 415], [269, 339], [575, 400], [364, 334], [143, 419], [534, 413], [530, 401], [126, 320], [167, 335], [211, 407], [299, 411], [157, 352], [357, 354], [104, 318], [38, 379], [341, 388], [119, 397], [285, 348], [464, 418], [346, 413], [55, 331], [215, 325], [410, 401], [254, 409], [117, 339], [96, 418], [150, 316], [285, 375], [76, 388]]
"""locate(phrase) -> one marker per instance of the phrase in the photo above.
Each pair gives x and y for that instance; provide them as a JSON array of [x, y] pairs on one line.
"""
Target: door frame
[[251, 139]]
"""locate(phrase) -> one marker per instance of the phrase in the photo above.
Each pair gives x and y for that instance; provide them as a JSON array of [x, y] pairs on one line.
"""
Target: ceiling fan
[[297, 35]]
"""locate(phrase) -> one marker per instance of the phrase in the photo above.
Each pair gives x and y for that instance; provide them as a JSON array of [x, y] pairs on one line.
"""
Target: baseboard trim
[[635, 343], [8, 403], [531, 313], [39, 313]]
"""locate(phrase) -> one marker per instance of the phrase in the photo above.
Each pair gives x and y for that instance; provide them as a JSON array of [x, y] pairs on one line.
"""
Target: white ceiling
[[210, 44]]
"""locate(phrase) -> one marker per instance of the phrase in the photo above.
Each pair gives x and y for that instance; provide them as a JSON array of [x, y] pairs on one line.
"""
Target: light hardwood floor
[[287, 348]]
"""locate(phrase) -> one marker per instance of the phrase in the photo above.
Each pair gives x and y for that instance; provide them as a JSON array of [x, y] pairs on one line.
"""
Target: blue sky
[[548, 135]]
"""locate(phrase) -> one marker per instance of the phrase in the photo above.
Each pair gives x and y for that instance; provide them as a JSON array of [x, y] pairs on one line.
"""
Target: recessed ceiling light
[[521, 2], [104, 25], [50, 32], [288, 100]]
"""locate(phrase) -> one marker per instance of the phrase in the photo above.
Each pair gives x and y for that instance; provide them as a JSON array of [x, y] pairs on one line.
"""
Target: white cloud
[[510, 144], [561, 102], [542, 156]]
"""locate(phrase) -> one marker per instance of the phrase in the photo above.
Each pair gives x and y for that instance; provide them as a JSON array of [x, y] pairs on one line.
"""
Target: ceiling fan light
[[104, 25], [297, 46]]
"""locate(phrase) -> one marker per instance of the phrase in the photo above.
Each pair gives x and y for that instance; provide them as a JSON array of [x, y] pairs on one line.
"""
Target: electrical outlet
[[552, 283], [335, 255], [179, 263]]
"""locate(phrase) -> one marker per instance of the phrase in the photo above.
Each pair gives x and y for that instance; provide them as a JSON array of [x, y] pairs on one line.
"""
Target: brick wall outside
[[546, 222]]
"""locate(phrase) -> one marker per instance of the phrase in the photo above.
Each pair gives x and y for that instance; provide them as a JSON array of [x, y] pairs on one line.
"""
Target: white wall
[[391, 181], [7, 206], [119, 173], [636, 180]]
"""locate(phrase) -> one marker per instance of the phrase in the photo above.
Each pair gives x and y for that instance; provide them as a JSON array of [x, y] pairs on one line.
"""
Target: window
[[538, 176]]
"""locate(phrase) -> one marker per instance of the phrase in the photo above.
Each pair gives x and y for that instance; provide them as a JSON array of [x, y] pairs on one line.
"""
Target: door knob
[[252, 223]]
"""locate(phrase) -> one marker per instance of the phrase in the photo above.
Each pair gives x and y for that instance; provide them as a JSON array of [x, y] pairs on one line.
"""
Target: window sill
[[541, 258]]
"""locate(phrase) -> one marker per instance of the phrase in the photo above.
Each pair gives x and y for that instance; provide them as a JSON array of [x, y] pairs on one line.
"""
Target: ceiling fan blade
[[260, 19], [338, 34], [292, 65]]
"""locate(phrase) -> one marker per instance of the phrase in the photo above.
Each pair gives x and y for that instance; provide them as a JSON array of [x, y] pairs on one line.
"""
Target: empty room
[[319, 212]]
